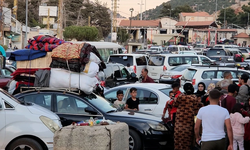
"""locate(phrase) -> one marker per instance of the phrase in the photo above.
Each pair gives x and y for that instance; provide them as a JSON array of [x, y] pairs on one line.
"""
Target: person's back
[[212, 123]]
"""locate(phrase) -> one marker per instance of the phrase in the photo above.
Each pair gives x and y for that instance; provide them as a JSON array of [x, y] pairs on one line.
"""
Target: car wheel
[[134, 141], [25, 144]]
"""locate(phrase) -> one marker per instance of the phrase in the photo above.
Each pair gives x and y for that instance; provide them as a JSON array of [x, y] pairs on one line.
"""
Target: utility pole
[[1, 22], [15, 9], [141, 9], [114, 16], [60, 17], [131, 10], [48, 21]]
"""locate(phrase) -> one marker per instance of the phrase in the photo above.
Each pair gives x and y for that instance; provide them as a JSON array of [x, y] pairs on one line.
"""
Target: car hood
[[39, 110], [135, 115]]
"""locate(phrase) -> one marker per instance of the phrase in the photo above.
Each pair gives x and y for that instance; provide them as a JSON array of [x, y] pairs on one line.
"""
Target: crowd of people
[[213, 118]]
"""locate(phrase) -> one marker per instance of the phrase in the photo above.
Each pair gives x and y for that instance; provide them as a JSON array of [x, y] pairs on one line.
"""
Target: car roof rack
[[38, 89]]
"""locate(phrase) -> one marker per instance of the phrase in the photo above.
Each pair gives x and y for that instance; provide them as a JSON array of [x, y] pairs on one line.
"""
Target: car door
[[148, 100], [2, 122], [73, 109]]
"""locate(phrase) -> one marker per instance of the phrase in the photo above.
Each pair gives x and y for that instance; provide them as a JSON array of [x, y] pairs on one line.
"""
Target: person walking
[[213, 118], [145, 77], [238, 121], [187, 107]]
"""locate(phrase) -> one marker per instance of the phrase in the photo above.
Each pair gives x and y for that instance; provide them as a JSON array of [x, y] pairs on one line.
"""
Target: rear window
[[188, 75], [122, 60], [173, 49], [216, 52], [140, 61], [156, 60], [166, 91], [175, 61], [243, 51]]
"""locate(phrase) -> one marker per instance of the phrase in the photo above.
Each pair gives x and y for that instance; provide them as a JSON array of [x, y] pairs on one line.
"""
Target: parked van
[[25, 125], [106, 48], [161, 62], [136, 61], [175, 49], [156, 48]]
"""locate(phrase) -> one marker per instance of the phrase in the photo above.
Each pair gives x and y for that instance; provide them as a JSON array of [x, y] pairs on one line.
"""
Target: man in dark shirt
[[228, 101], [133, 102], [145, 77]]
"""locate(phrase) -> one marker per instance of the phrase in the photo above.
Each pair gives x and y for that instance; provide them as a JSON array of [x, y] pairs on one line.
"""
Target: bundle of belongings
[[71, 66]]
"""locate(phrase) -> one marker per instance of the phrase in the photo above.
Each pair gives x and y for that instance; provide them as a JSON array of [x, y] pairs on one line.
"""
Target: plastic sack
[[91, 69], [94, 58], [60, 78]]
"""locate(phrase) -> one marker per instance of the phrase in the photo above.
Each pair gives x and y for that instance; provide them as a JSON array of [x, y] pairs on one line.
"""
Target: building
[[242, 39], [196, 16]]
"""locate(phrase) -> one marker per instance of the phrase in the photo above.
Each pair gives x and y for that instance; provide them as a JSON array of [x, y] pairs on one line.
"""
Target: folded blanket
[[26, 71], [26, 54], [67, 51]]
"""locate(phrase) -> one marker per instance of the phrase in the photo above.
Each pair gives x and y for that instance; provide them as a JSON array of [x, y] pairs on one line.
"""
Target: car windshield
[[215, 52], [166, 91], [123, 59], [179, 68], [100, 103], [188, 75], [200, 46], [156, 60]]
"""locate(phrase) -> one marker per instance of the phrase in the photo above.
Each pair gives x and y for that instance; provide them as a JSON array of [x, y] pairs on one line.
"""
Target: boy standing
[[119, 103], [133, 102], [213, 117]]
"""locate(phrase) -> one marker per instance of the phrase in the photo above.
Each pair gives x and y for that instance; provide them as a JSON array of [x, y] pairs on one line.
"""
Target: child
[[133, 102], [237, 122], [119, 103], [168, 107], [246, 112]]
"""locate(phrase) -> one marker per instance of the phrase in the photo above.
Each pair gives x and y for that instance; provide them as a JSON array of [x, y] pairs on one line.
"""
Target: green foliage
[[166, 10], [228, 14], [81, 33], [122, 35], [179, 9]]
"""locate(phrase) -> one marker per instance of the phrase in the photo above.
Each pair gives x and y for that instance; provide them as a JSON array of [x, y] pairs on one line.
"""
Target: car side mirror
[[90, 110]]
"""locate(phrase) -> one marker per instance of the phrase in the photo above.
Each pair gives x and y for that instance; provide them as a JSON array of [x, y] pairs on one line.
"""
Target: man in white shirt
[[213, 118]]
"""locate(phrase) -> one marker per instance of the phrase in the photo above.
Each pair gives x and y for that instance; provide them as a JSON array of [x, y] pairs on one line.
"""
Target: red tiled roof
[[220, 30], [140, 23], [241, 35], [194, 23], [198, 14]]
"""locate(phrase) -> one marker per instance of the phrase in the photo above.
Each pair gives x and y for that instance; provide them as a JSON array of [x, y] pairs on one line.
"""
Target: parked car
[[245, 51], [136, 61], [216, 52], [174, 74], [25, 125], [175, 49], [152, 96], [146, 131], [200, 48], [196, 74], [5, 76], [161, 62], [156, 48], [116, 74]]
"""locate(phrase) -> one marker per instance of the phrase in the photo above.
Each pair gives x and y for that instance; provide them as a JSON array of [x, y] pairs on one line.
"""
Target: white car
[[152, 96], [196, 74], [25, 125]]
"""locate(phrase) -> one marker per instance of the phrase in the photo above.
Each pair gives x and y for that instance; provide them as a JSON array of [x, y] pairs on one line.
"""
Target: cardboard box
[[43, 62]]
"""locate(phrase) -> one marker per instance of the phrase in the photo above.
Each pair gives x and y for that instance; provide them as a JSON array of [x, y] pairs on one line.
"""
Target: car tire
[[134, 141], [24, 143]]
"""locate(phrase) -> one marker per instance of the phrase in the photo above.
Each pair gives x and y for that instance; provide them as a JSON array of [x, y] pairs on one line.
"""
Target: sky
[[125, 5]]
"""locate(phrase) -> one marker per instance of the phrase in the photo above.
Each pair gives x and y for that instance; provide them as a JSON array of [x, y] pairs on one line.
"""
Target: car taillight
[[176, 76], [135, 69], [193, 82], [164, 68], [103, 83]]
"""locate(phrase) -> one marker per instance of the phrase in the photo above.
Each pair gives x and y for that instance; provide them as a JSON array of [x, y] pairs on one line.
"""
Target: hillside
[[203, 5]]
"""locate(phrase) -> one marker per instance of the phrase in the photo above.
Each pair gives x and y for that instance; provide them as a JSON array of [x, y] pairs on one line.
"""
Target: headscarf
[[203, 91], [188, 88]]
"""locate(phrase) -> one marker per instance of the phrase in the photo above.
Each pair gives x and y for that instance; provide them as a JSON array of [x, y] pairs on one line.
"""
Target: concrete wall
[[241, 40], [196, 18]]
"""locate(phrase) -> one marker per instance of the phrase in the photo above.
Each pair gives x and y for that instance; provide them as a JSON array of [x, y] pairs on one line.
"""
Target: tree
[[166, 10], [81, 33], [122, 35], [229, 15], [180, 9]]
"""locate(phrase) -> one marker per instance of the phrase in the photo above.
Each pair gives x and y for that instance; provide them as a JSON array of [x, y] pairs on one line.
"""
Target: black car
[[116, 74], [146, 131]]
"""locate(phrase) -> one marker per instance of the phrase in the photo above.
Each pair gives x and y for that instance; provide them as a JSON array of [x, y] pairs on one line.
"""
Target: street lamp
[[131, 10]]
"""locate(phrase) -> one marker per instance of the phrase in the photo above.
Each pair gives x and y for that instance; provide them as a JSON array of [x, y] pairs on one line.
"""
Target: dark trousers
[[214, 145], [246, 145]]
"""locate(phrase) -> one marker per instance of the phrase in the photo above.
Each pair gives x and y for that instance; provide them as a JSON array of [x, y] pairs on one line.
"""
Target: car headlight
[[49, 123], [157, 126]]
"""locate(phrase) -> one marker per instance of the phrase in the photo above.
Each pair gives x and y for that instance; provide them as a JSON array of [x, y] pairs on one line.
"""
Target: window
[[141, 61], [216, 52], [117, 73], [6, 72], [208, 74], [108, 72], [220, 74], [71, 105], [123, 59], [166, 91], [112, 97], [42, 99], [188, 75], [146, 97], [7, 105], [205, 60], [124, 71], [156, 60]]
